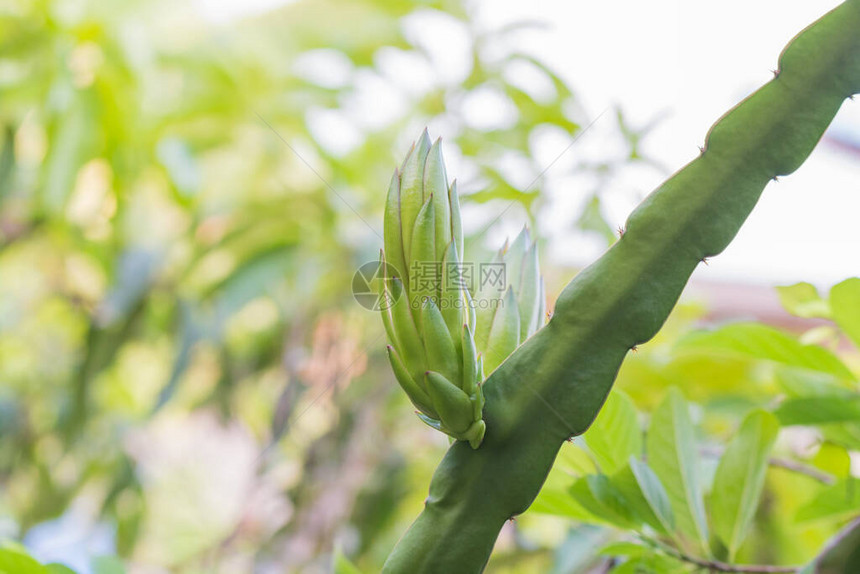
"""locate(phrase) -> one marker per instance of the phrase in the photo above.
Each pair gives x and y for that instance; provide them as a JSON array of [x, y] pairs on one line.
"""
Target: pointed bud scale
[[436, 184], [522, 275], [410, 346], [452, 301], [528, 295], [478, 403], [470, 362], [541, 314], [415, 393], [513, 259], [412, 191], [422, 267], [488, 300], [470, 308], [423, 238], [385, 298], [441, 352], [504, 332], [475, 433], [430, 421], [452, 404], [393, 231], [456, 222]]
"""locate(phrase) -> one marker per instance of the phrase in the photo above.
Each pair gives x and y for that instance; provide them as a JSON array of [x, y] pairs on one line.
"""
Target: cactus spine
[[554, 384]]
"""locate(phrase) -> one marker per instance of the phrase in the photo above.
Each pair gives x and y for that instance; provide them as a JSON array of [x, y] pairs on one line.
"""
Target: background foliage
[[186, 383]]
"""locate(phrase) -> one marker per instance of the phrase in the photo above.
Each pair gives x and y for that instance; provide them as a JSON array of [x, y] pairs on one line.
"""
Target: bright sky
[[694, 60]]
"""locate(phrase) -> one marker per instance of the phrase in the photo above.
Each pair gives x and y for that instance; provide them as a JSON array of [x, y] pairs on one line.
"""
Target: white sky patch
[[694, 60]]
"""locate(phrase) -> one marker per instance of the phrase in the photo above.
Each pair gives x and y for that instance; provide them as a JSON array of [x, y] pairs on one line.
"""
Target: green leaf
[[845, 304], [573, 460], [759, 342], [107, 565], [623, 549], [615, 435], [56, 568], [803, 300], [672, 454], [342, 565], [601, 498], [838, 501], [798, 383], [592, 219], [15, 561], [819, 410], [576, 552], [739, 479], [833, 459], [651, 563], [554, 497], [653, 492], [841, 555], [70, 144]]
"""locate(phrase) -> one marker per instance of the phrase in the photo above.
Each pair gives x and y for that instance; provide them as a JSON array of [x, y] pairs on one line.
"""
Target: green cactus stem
[[554, 384]]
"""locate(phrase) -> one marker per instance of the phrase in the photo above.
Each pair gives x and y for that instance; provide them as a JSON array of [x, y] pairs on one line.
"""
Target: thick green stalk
[[554, 384]]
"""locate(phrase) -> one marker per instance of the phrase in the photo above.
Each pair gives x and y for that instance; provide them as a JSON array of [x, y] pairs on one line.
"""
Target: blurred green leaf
[[554, 497], [834, 502], [576, 552], [760, 342], [615, 435], [803, 300], [651, 563], [657, 510], [833, 459], [592, 219], [671, 447], [342, 565], [600, 497], [845, 303], [841, 554], [624, 549], [107, 565], [70, 143], [15, 561], [819, 410], [7, 161], [739, 480]]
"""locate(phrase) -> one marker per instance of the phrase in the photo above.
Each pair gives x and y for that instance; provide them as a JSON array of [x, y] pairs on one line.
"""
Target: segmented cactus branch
[[554, 384]]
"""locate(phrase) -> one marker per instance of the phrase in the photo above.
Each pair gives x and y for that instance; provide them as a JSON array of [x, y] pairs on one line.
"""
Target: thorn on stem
[[570, 439], [513, 519], [705, 260], [701, 150], [776, 73], [775, 178], [634, 348], [621, 231]]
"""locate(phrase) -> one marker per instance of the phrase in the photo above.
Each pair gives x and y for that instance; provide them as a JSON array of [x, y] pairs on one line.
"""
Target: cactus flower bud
[[429, 320], [503, 326]]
